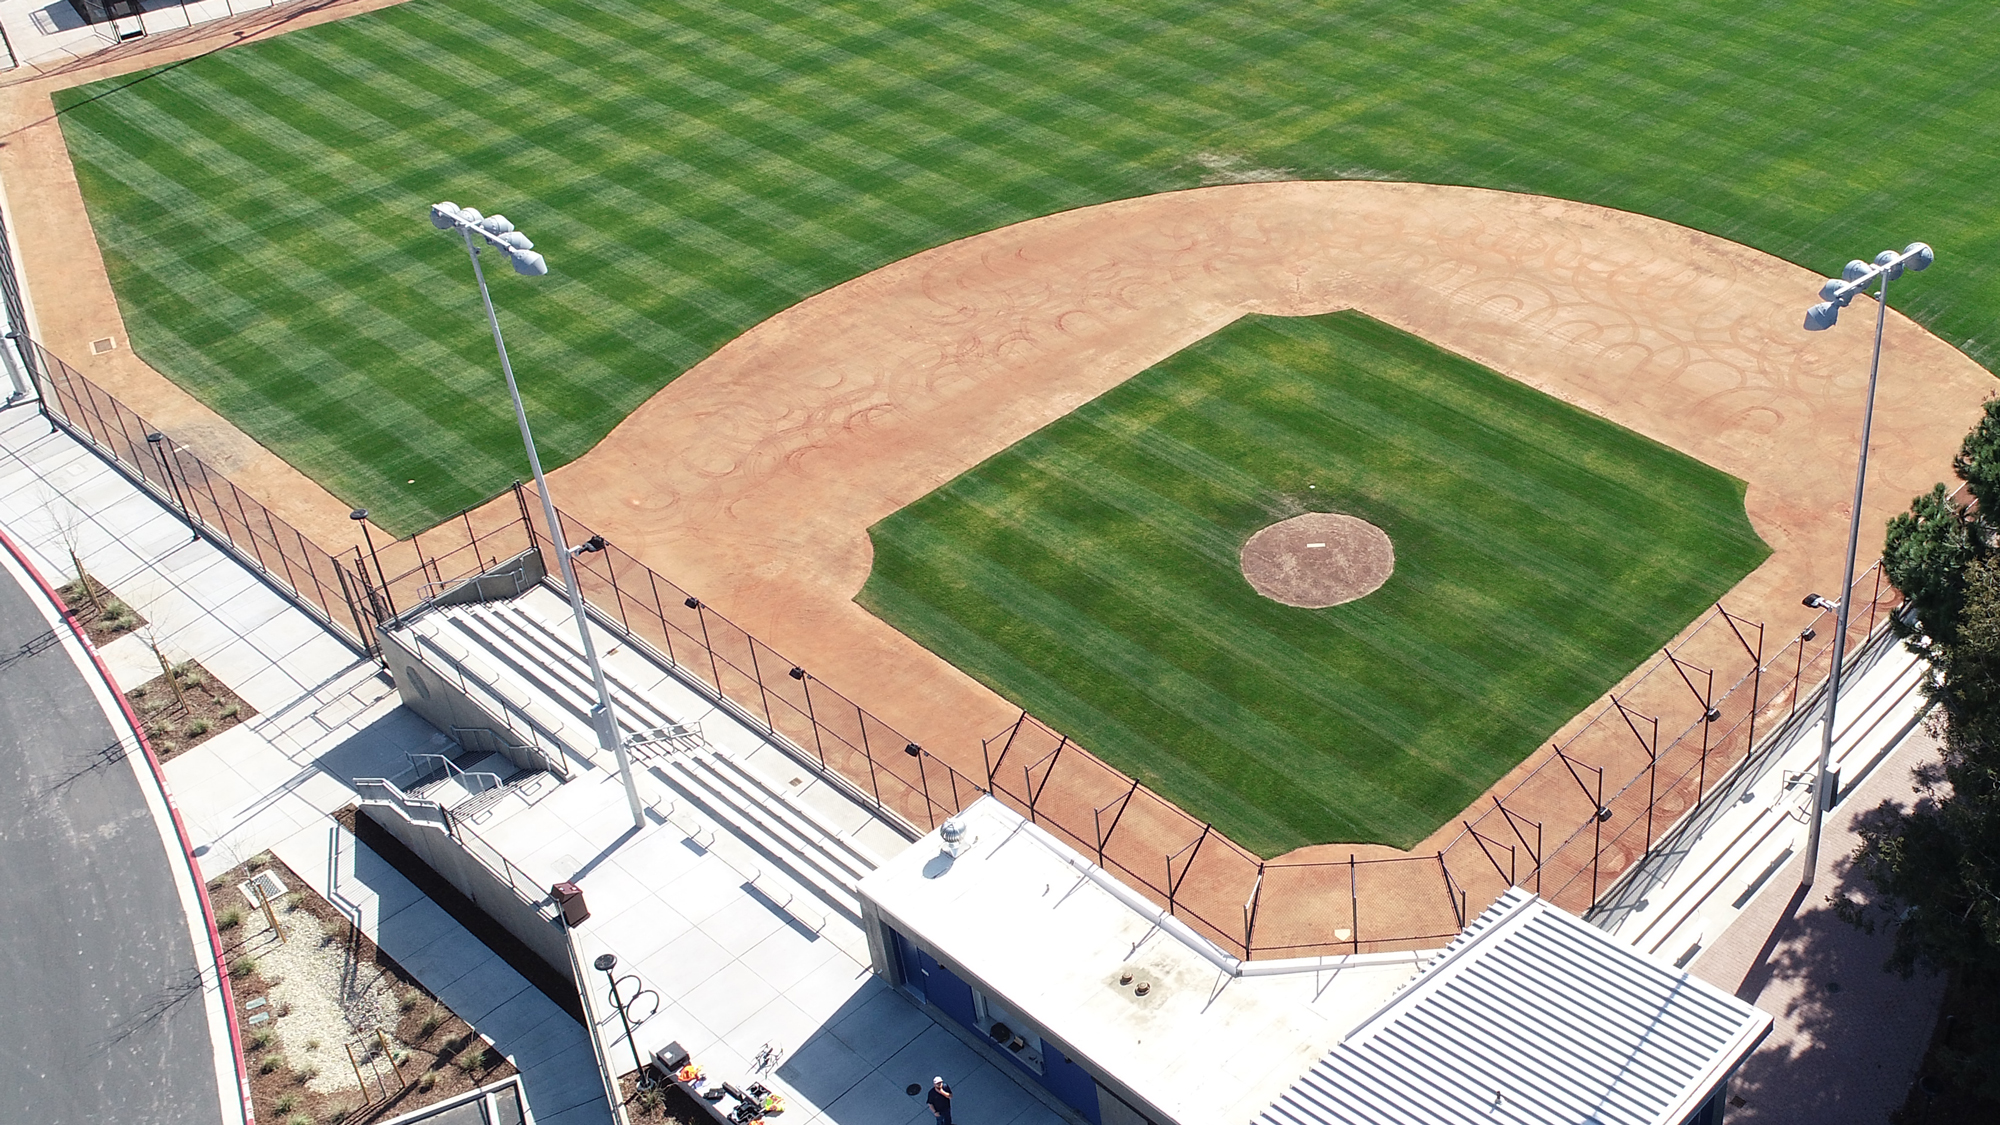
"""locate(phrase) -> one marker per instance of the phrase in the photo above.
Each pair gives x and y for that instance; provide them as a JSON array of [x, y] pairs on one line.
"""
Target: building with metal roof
[[1534, 1016], [1115, 1011]]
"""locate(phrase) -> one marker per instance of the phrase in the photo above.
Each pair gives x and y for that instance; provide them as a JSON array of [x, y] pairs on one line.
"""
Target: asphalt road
[[101, 1011]]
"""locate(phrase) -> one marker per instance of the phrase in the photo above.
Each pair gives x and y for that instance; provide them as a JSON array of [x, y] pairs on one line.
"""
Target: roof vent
[[957, 837]]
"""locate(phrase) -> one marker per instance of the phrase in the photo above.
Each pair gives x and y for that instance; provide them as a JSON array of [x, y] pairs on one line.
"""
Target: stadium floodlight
[[500, 234], [1836, 294]]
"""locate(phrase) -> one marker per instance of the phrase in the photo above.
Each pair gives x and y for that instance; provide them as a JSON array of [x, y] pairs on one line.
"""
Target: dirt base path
[[71, 302], [753, 478]]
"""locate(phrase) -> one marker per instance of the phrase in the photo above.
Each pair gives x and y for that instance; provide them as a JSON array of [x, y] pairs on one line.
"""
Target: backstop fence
[[1566, 824]]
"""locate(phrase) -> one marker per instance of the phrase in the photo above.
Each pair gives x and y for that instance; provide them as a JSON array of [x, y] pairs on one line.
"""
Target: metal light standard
[[1838, 293], [497, 232]]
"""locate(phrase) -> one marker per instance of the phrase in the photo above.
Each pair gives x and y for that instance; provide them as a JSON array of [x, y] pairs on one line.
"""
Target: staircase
[[788, 831]]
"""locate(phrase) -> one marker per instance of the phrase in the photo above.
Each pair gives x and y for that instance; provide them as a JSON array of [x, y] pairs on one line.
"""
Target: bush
[[261, 1039], [242, 966], [231, 710], [286, 1102], [270, 1063], [472, 1060], [312, 1044], [305, 1074], [292, 902], [432, 1020], [338, 1113], [229, 919], [409, 1000], [197, 728], [299, 1119], [429, 1079], [259, 860]]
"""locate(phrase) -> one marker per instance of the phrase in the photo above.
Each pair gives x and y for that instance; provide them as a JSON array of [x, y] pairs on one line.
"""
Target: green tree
[[1936, 867], [1925, 557], [1978, 460]]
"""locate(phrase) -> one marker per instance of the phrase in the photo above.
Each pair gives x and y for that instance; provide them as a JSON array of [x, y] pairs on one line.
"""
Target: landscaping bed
[[103, 616], [334, 1030], [178, 721]]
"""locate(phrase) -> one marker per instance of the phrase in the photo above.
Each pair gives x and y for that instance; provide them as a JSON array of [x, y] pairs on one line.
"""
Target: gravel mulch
[[345, 1034]]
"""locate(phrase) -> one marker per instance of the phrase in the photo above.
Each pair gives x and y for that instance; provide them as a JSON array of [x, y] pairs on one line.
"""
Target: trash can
[[569, 896]]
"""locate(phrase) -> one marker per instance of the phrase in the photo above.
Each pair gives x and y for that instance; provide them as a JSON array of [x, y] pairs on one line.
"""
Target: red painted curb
[[180, 830]]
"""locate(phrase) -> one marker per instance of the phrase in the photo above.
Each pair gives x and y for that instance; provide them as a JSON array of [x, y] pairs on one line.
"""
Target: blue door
[[933, 981]]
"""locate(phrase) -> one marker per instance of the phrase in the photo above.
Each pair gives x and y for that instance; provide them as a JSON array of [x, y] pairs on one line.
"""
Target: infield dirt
[[753, 478]]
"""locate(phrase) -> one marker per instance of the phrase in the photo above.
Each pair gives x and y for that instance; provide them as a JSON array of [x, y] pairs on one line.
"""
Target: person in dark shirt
[[939, 1100]]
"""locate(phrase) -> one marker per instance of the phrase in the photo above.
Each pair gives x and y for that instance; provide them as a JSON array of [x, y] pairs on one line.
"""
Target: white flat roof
[[1532, 1016], [1025, 918]]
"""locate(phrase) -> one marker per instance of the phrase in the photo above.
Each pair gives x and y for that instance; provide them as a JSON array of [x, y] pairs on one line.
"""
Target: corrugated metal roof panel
[[1531, 1016]]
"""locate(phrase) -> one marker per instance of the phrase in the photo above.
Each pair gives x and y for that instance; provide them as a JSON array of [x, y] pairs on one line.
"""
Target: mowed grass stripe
[[760, 152], [1541, 554]]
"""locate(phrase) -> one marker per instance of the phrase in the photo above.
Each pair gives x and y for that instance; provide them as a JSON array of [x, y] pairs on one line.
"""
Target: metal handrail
[[464, 776]]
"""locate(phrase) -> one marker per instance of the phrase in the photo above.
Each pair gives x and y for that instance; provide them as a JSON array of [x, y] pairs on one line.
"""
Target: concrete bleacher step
[[534, 653], [523, 698], [763, 826], [725, 776], [799, 888], [555, 644], [794, 857], [737, 784]]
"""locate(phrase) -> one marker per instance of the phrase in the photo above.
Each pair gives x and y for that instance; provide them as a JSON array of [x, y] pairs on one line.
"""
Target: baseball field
[[1090, 573], [695, 169], [692, 167]]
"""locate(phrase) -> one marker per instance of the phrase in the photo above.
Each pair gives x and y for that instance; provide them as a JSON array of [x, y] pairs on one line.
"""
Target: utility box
[[569, 896]]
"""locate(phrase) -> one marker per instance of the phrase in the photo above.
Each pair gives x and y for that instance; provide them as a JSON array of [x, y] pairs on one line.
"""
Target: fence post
[[1457, 903], [756, 673], [805, 685], [1354, 902], [527, 521], [715, 668], [1250, 911]]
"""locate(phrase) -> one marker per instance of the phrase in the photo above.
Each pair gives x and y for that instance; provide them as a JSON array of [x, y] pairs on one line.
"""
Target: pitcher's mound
[[1318, 559]]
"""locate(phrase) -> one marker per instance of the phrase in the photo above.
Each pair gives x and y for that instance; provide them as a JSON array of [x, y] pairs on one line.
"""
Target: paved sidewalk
[[324, 716], [1848, 1036]]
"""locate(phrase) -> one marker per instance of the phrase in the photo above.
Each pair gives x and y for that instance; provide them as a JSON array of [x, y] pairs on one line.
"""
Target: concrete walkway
[[550, 1048], [1848, 1036], [324, 716]]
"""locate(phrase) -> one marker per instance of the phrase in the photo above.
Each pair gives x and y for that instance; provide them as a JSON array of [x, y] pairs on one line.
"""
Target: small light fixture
[[1808, 633], [1712, 714], [912, 749], [797, 673], [1603, 813], [692, 603]]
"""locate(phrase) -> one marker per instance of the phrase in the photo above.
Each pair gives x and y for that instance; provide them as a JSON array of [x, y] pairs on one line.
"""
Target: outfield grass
[[1090, 575], [694, 166]]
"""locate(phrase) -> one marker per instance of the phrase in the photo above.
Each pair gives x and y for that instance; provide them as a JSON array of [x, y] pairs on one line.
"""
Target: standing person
[[939, 1100]]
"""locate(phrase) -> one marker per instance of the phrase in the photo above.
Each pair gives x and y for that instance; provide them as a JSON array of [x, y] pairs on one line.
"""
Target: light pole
[[1837, 293], [497, 232]]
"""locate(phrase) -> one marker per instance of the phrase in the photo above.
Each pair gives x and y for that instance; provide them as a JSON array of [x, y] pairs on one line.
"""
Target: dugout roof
[[1531, 1016]]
